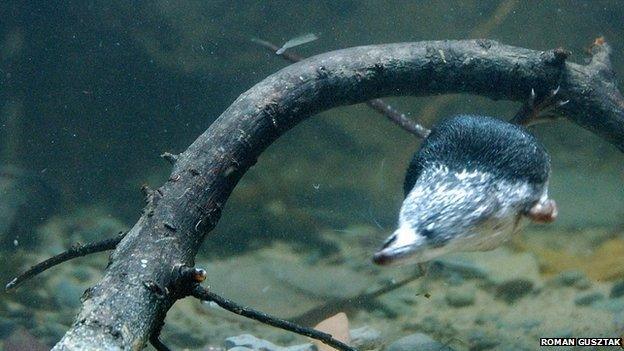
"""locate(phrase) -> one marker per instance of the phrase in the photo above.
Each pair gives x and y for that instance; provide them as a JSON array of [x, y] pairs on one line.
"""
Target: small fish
[[300, 40]]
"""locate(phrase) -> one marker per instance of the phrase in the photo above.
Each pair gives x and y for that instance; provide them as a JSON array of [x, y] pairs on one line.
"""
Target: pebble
[[479, 340], [563, 333], [246, 342], [454, 268], [303, 347], [250, 341], [514, 289], [529, 324], [7, 327], [435, 326], [615, 306], [503, 265], [408, 297], [617, 290], [365, 338], [417, 341], [485, 318], [460, 297], [16, 310], [576, 279], [588, 299], [455, 279]]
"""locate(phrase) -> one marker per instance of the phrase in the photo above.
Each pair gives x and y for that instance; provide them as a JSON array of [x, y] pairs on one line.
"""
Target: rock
[[455, 280], [303, 347], [417, 341], [495, 266], [246, 342], [433, 325], [583, 284], [479, 340], [454, 268], [407, 297], [251, 342], [588, 299], [16, 310], [576, 279], [529, 324], [512, 290], [563, 333], [617, 290], [484, 318], [460, 297], [22, 340], [7, 326], [504, 265], [365, 338], [615, 306]]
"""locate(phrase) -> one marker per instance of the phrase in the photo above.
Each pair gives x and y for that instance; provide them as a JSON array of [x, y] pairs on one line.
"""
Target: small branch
[[186, 282], [378, 105], [398, 117], [74, 252], [206, 295], [333, 306]]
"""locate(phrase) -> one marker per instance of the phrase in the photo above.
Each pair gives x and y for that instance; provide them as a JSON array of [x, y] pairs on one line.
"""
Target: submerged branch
[[74, 252], [207, 295], [121, 312], [186, 282], [376, 104]]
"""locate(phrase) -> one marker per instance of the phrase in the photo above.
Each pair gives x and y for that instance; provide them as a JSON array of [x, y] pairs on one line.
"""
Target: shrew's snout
[[401, 245], [382, 258]]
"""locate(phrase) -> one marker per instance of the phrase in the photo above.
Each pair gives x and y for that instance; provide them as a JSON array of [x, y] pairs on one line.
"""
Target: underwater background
[[92, 92]]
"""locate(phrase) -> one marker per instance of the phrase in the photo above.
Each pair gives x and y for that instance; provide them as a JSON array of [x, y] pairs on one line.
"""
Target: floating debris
[[300, 40]]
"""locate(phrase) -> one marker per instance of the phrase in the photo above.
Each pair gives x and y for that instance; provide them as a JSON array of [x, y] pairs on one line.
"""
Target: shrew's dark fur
[[485, 144]]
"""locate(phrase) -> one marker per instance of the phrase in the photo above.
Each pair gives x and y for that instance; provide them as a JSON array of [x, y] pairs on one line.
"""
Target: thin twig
[[376, 104], [336, 305], [75, 251], [158, 345], [398, 117], [206, 295]]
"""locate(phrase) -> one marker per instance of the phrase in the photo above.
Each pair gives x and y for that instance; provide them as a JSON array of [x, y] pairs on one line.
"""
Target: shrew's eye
[[427, 233]]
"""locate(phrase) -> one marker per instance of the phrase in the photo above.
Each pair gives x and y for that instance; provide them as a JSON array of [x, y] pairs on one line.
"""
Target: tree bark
[[121, 312]]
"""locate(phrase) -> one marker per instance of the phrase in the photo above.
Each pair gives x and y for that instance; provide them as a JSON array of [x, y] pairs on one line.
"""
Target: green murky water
[[92, 92]]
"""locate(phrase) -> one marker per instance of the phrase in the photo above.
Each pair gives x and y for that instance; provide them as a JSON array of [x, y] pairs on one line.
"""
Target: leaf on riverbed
[[338, 327]]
